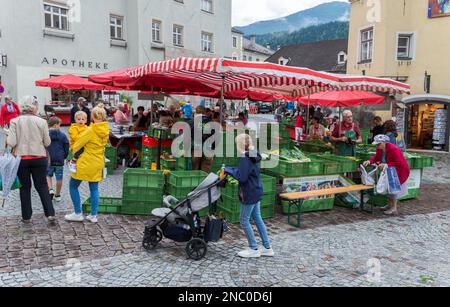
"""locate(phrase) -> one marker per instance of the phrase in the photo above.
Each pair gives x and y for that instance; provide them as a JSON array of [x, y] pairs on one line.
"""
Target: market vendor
[[317, 130], [120, 116], [346, 135], [153, 115]]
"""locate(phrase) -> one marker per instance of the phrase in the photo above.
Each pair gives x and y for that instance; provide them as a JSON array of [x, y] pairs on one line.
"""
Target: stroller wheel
[[152, 240], [196, 249]]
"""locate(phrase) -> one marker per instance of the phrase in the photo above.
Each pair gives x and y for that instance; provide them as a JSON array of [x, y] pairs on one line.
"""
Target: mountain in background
[[323, 32], [324, 13]]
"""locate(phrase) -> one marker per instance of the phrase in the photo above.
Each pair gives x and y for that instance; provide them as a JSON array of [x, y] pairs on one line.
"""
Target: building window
[[235, 44], [156, 31], [250, 58], [207, 42], [244, 58], [116, 26], [257, 60], [405, 47], [366, 47], [207, 6], [342, 57], [178, 35], [56, 17]]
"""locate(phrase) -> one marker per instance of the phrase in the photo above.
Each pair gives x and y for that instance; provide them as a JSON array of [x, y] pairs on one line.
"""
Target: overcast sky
[[249, 11]]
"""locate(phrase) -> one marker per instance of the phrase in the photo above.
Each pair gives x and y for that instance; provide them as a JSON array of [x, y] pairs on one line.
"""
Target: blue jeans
[[75, 195], [254, 211]]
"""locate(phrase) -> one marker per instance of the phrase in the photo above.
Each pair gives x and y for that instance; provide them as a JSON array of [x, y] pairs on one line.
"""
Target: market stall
[[295, 169], [68, 87]]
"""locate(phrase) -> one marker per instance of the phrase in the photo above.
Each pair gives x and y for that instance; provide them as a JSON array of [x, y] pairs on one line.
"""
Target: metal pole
[[222, 101], [307, 114], [151, 107]]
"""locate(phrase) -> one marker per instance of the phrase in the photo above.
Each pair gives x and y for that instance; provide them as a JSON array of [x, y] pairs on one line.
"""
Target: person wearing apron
[[346, 135]]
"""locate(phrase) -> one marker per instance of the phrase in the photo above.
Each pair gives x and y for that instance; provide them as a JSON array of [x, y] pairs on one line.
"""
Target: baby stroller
[[180, 222]]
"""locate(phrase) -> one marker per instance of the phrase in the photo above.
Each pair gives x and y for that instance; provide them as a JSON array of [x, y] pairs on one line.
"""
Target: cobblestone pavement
[[411, 251], [337, 248]]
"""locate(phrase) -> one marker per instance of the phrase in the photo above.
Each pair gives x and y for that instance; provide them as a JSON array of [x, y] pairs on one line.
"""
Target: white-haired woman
[[346, 135], [29, 137], [119, 115], [250, 195]]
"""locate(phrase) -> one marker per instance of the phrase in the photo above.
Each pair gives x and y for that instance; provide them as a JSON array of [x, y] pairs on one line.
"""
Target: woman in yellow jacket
[[90, 165]]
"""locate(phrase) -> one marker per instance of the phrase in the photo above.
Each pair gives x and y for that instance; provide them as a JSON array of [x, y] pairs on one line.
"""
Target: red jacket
[[6, 117], [300, 122], [394, 158]]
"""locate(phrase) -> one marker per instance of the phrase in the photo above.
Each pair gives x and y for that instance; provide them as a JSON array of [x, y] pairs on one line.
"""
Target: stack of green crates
[[148, 156], [111, 155], [181, 183], [296, 169], [183, 164], [230, 205], [143, 191], [168, 164]]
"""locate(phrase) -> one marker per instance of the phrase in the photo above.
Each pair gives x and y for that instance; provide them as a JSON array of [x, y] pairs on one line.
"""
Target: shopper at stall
[[318, 114], [250, 195], [346, 135], [317, 130], [58, 152], [390, 129], [29, 137], [80, 105], [90, 165], [199, 160], [299, 126], [242, 120], [187, 110], [153, 115], [8, 111], [378, 127], [165, 119], [391, 155], [119, 116], [140, 123]]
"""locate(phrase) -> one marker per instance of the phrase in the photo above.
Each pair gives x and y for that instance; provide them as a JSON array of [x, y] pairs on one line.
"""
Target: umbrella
[[9, 165], [72, 82], [334, 99]]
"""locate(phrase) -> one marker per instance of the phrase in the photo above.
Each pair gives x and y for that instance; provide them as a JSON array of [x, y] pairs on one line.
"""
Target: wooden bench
[[297, 199]]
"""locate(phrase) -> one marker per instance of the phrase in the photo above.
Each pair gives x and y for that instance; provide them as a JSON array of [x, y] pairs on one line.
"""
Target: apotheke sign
[[75, 63]]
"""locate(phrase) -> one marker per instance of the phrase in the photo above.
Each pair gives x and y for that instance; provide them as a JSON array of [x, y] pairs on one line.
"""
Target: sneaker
[[58, 198], [250, 253], [92, 219], [107, 160], [386, 208], [267, 252], [51, 218], [52, 193], [74, 217], [26, 221], [72, 167], [391, 212]]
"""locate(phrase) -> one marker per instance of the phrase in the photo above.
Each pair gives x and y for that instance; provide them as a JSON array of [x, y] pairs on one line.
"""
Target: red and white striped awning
[[254, 76]]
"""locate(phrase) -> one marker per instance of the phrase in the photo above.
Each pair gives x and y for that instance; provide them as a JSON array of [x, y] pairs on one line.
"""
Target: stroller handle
[[167, 201]]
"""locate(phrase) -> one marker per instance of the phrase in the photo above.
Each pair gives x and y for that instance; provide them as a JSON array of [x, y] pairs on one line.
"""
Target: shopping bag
[[383, 183], [394, 185], [367, 178], [16, 185], [213, 229]]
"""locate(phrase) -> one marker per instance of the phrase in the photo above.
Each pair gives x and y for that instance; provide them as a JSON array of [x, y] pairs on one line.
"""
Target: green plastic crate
[[110, 168], [427, 161], [186, 179], [294, 169], [148, 159], [310, 206], [106, 205], [142, 178], [143, 194], [179, 192], [234, 217], [111, 154], [232, 202], [149, 151], [130, 207], [169, 164], [183, 164]]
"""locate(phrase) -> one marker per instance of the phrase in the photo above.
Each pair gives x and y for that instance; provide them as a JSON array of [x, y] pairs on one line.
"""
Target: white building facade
[[42, 38]]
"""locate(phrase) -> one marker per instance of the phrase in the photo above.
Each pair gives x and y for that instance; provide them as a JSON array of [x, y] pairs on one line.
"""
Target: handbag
[[214, 229]]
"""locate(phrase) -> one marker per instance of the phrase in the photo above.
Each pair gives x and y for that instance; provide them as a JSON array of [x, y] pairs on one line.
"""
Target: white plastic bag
[[367, 178], [383, 183]]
